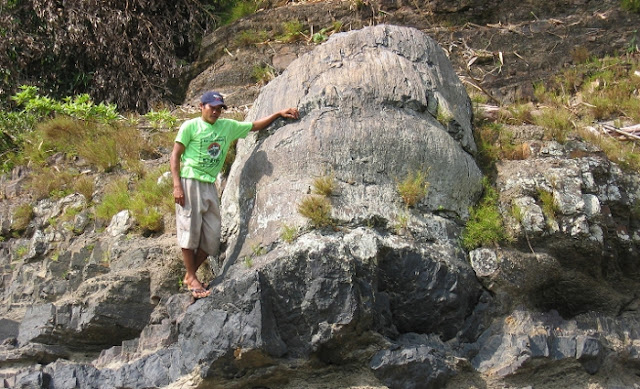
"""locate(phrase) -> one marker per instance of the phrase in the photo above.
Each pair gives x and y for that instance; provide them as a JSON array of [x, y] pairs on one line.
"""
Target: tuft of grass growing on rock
[[21, 217], [324, 185], [293, 30], [251, 37], [413, 188], [50, 182], [485, 225], [443, 115], [549, 207], [557, 123], [288, 233], [151, 200], [317, 209], [262, 74], [85, 185], [116, 199]]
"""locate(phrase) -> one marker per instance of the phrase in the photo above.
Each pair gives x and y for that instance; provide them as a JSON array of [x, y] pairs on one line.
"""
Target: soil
[[501, 48]]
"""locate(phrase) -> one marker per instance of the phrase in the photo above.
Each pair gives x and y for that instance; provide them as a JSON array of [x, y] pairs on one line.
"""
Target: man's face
[[210, 113]]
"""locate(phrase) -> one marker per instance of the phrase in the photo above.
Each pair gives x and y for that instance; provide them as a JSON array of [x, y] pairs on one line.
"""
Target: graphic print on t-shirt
[[214, 152]]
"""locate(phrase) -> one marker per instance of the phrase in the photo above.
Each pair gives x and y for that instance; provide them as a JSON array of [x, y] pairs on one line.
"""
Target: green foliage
[[232, 11], [288, 233], [161, 118], [79, 107], [324, 33], [50, 182], [496, 142], [78, 128], [549, 207], [148, 201], [116, 199], [251, 37], [443, 116], [413, 188], [151, 201], [13, 127], [22, 215], [317, 209], [557, 123], [293, 30], [263, 73], [21, 251], [485, 225], [631, 5], [401, 223]]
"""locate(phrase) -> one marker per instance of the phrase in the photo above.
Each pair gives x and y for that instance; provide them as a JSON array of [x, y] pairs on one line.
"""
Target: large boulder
[[376, 105]]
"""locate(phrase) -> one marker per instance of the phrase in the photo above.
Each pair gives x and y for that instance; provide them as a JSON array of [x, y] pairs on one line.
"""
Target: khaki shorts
[[198, 222]]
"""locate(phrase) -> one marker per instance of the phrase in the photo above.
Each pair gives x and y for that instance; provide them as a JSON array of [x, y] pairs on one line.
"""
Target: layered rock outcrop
[[384, 296]]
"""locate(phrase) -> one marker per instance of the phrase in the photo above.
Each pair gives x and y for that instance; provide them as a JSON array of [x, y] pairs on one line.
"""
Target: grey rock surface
[[385, 297], [369, 105]]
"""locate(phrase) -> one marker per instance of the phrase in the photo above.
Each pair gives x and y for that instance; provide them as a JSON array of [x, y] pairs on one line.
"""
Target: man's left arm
[[261, 124]]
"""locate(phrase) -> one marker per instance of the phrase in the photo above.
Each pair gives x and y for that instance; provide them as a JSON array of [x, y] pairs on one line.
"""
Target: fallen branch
[[621, 131]]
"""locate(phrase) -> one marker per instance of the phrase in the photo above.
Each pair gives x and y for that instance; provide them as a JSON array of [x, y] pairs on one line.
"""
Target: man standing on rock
[[201, 145]]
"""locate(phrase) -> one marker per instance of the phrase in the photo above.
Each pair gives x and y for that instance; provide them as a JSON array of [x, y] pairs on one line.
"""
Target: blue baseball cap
[[214, 99]]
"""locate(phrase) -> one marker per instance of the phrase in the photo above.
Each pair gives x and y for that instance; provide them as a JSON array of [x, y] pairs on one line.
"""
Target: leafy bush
[[161, 118]]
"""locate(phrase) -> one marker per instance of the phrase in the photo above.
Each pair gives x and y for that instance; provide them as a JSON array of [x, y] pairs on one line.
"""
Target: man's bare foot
[[197, 289], [198, 293]]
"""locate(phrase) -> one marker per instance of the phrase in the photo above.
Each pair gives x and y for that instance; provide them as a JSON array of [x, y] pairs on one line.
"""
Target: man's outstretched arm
[[261, 124]]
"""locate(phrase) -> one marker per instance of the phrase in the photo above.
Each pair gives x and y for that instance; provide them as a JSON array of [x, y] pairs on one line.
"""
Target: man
[[201, 145]]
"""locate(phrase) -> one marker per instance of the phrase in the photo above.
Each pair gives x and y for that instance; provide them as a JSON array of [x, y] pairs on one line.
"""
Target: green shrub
[[413, 188], [161, 118]]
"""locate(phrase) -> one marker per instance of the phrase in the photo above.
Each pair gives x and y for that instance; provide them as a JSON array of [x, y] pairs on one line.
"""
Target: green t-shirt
[[206, 146]]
